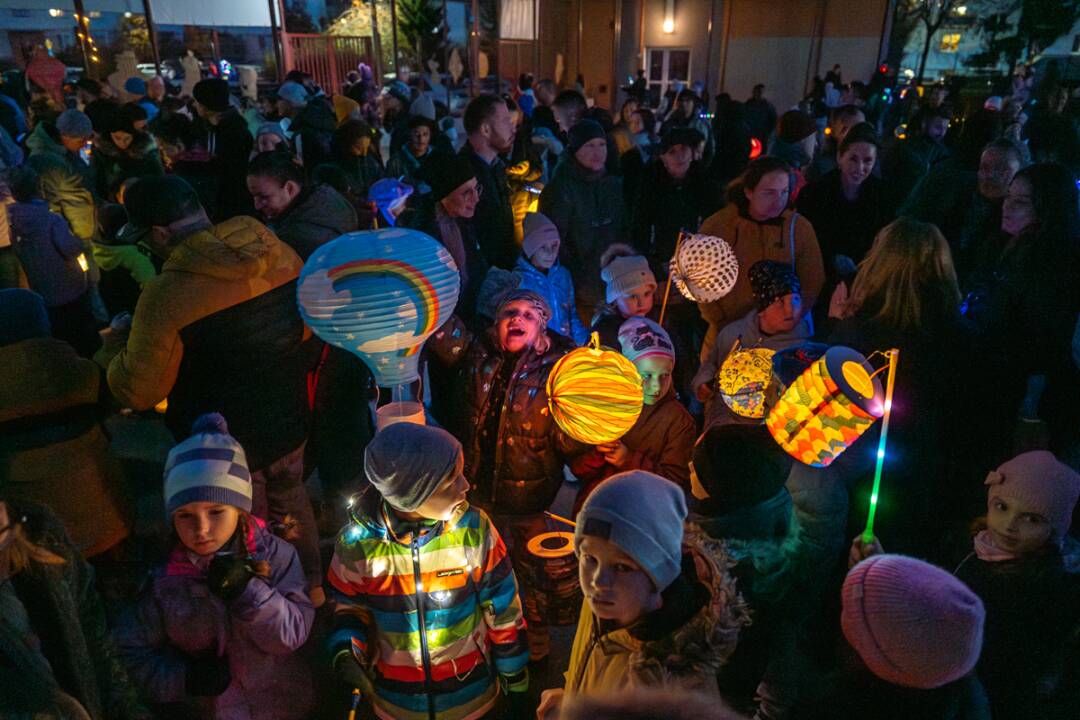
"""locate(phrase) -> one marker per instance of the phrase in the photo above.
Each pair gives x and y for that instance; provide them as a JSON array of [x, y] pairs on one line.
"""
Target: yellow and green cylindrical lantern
[[595, 395], [827, 408]]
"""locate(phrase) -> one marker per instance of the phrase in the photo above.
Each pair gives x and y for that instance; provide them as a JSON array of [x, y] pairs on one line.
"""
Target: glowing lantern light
[[827, 408], [379, 294], [755, 148], [704, 267], [743, 379], [595, 395]]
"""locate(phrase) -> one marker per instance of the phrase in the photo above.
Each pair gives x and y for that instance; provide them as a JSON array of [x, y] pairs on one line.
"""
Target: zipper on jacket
[[593, 640], [425, 657]]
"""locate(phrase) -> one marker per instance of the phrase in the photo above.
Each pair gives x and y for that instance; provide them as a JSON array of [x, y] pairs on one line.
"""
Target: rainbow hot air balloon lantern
[[380, 294]]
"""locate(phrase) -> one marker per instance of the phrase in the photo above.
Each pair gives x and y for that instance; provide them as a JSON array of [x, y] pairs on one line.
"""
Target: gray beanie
[[271, 128], [407, 462], [643, 514], [539, 230], [74, 123], [625, 274]]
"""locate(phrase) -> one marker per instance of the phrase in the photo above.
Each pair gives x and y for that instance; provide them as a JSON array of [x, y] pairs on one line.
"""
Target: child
[[660, 608], [630, 290], [538, 269], [53, 260], [663, 436], [777, 323], [406, 161], [428, 620], [219, 629]]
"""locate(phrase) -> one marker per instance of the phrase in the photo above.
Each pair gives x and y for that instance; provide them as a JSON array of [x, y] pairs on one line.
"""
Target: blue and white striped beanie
[[210, 466]]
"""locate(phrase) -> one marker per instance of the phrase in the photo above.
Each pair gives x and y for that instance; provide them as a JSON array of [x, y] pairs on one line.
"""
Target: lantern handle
[[667, 287], [894, 359]]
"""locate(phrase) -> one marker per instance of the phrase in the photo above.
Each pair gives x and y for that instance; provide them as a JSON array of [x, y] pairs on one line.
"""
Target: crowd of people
[[310, 563]]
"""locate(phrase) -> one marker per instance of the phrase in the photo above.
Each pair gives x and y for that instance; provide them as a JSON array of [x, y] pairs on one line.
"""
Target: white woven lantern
[[704, 268]]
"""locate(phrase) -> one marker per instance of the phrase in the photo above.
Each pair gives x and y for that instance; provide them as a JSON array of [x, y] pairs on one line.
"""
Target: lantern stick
[[557, 518], [894, 358], [355, 703], [667, 287]]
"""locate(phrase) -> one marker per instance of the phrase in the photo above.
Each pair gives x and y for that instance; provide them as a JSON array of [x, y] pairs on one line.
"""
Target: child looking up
[[219, 629], [428, 620], [538, 269]]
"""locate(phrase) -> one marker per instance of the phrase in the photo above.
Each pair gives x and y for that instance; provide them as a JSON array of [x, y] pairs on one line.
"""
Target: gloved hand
[[228, 576], [208, 677], [351, 674]]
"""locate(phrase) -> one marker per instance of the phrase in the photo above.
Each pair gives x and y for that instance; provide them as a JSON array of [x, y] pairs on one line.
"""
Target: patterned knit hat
[[625, 274], [210, 466], [912, 623], [770, 280], [640, 337], [1043, 483]]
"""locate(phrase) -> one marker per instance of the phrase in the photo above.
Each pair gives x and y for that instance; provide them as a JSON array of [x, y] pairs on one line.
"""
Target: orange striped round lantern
[[827, 408], [595, 395]]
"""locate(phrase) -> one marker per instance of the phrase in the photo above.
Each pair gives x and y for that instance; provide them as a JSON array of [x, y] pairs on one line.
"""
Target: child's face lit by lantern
[[449, 496], [615, 586], [782, 315], [546, 255], [655, 371], [205, 527], [637, 303], [1016, 527], [518, 326]]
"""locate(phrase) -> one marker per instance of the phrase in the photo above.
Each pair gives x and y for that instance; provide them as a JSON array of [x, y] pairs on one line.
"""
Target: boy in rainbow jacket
[[428, 621]]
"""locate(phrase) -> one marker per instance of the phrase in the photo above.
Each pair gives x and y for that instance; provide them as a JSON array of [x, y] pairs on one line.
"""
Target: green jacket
[[66, 180], [110, 257]]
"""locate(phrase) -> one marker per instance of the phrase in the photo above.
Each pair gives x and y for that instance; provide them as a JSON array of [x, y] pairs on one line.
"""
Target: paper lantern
[[595, 395], [827, 408], [743, 379], [379, 294], [704, 268]]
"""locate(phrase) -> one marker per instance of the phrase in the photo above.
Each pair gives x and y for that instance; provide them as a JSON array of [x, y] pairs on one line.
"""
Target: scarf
[[986, 550]]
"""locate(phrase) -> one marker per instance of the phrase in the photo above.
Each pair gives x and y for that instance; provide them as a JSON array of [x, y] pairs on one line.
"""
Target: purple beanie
[[912, 623], [1043, 483]]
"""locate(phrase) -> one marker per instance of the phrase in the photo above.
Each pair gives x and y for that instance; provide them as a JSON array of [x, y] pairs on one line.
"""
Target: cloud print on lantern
[[380, 294]]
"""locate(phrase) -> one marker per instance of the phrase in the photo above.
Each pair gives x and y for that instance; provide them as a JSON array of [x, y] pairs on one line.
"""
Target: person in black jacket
[[490, 129], [229, 143], [312, 126]]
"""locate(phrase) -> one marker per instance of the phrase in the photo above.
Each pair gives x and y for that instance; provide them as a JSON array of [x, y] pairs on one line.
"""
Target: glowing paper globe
[[379, 294], [827, 408], [595, 395], [743, 379], [704, 268]]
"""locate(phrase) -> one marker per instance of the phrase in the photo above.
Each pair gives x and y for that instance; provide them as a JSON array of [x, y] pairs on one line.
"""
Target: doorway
[[664, 67]]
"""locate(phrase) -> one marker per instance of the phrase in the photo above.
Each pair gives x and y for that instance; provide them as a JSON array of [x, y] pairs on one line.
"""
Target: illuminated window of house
[[950, 42]]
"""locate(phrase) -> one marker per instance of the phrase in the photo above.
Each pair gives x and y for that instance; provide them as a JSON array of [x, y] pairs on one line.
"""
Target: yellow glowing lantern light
[[827, 408], [594, 395], [743, 379]]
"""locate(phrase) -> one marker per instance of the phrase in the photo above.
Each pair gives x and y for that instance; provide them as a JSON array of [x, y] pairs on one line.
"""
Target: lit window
[[950, 42]]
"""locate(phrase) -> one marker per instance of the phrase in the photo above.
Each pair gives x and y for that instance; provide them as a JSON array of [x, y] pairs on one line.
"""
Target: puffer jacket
[[261, 632], [113, 166], [527, 457], [66, 181], [218, 331], [683, 644], [64, 611], [753, 241], [318, 216], [557, 289], [467, 602], [53, 448]]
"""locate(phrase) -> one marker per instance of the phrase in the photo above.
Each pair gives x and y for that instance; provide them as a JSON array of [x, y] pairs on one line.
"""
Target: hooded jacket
[[683, 644], [218, 331], [113, 166], [318, 215], [48, 252], [313, 127], [557, 289], [66, 180], [178, 619]]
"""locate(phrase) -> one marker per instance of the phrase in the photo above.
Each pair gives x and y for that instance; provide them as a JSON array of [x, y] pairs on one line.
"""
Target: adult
[[353, 153], [623, 132], [795, 143], [66, 179], [53, 446], [760, 114], [394, 102], [137, 89], [841, 120], [586, 205], [123, 152], [229, 144], [569, 108], [405, 163], [303, 215], [218, 331], [759, 226], [490, 130], [1052, 130], [731, 129], [642, 129], [181, 155], [312, 122], [91, 99], [687, 114], [543, 115], [912, 157]]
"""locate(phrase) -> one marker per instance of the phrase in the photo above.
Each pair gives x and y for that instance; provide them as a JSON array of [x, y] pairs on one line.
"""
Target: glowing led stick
[[894, 358]]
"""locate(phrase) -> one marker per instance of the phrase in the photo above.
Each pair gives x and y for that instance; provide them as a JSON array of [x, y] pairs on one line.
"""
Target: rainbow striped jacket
[[434, 619]]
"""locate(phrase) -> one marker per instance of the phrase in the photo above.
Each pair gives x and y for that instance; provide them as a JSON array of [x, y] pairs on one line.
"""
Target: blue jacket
[[47, 251], [557, 289]]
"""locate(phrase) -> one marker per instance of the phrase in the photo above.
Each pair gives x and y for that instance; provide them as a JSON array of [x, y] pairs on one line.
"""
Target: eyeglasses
[[474, 192]]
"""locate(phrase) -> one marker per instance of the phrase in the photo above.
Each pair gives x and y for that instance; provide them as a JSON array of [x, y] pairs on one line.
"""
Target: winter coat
[[66, 181], [404, 165], [317, 216], [519, 471], [434, 653], [908, 163], [683, 644], [230, 143], [557, 289], [1030, 646], [660, 441], [844, 227], [313, 128], [588, 210], [788, 238], [494, 218], [747, 332], [858, 694], [360, 172], [48, 252], [218, 330], [664, 207], [53, 447], [125, 270], [113, 166], [178, 619], [63, 612]]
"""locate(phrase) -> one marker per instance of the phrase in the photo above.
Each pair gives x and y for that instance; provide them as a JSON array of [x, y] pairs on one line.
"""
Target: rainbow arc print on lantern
[[380, 294]]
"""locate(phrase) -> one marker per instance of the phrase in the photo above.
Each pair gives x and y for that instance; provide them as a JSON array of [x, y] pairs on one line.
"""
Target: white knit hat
[[626, 274]]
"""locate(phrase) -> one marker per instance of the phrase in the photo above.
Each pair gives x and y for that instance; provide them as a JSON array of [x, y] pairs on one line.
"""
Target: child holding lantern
[[663, 435]]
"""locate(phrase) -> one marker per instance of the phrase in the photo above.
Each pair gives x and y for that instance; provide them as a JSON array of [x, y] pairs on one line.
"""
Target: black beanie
[[212, 93], [583, 132], [158, 200], [739, 466], [770, 280], [445, 173]]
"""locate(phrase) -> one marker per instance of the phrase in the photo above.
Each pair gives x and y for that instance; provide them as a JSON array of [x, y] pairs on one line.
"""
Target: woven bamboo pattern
[[594, 394]]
